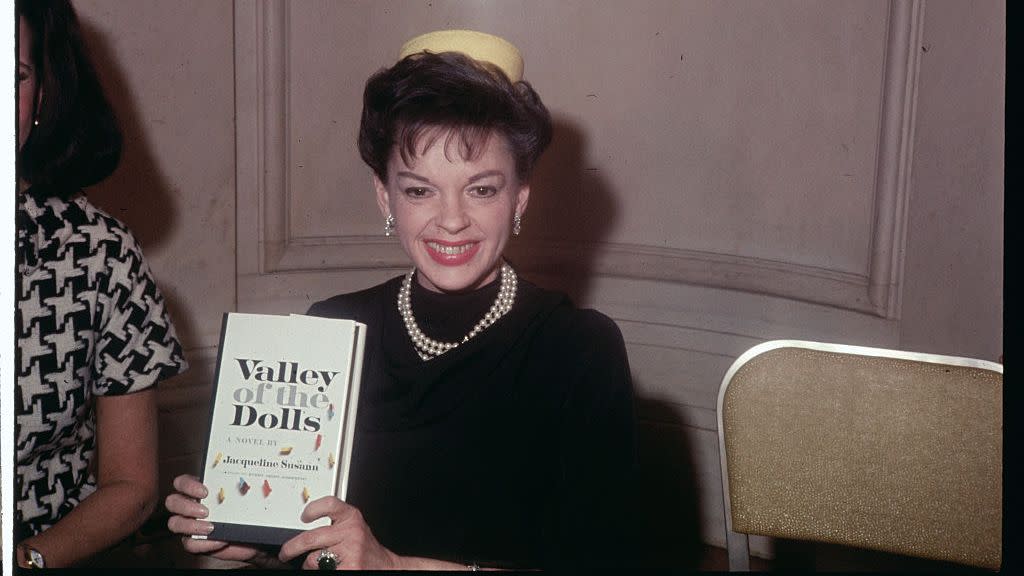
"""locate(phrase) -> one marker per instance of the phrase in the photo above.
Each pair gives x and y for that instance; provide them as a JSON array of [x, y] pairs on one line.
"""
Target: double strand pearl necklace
[[429, 348]]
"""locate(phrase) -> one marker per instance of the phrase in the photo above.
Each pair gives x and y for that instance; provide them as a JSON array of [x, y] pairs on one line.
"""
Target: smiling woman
[[454, 218], [452, 141], [495, 420]]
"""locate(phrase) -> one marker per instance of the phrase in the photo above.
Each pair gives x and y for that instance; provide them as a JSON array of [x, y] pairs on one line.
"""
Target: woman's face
[[26, 82], [453, 216]]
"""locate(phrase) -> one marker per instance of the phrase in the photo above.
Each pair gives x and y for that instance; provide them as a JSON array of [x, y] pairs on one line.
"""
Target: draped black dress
[[515, 449]]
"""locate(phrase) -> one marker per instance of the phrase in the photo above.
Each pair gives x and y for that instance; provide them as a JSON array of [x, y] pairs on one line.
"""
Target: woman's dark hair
[[77, 141], [465, 98]]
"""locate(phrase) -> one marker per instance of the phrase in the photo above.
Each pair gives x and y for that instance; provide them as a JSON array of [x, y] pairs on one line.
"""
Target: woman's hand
[[185, 520], [348, 536]]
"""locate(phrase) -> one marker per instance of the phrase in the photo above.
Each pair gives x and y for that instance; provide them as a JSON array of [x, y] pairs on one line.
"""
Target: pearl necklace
[[429, 348]]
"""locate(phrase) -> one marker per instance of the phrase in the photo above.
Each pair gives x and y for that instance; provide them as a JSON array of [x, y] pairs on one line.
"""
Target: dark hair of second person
[[449, 90], [74, 140]]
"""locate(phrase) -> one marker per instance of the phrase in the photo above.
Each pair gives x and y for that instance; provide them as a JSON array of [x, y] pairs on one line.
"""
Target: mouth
[[451, 254]]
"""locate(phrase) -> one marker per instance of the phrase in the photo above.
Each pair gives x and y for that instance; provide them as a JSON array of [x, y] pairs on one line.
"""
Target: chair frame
[[737, 544]]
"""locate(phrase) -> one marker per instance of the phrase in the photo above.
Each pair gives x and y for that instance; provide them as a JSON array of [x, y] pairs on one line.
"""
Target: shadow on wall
[[137, 192], [183, 325], [570, 213], [666, 499]]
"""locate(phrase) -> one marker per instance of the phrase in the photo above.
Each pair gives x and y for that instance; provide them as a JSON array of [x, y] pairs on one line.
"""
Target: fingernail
[[203, 511], [207, 527]]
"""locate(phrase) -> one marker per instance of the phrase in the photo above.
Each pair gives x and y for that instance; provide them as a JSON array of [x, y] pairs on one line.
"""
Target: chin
[[461, 280]]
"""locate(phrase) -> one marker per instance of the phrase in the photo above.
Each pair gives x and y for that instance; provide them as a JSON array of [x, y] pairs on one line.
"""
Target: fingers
[[311, 540], [190, 486], [202, 546], [185, 506], [330, 507], [348, 536], [186, 511], [189, 526], [354, 540], [312, 561], [218, 549], [185, 515]]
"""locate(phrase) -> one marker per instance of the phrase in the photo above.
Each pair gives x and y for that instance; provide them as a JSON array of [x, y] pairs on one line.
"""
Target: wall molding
[[895, 155], [268, 246]]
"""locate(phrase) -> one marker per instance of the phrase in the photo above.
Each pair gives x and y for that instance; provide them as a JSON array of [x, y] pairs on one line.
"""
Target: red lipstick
[[451, 253]]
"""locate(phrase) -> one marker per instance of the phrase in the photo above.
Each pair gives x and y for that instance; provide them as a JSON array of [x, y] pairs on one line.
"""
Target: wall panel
[[817, 119]]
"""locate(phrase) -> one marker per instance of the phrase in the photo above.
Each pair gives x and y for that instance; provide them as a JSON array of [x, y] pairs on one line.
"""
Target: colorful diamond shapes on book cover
[[330, 460], [285, 451], [216, 460], [266, 488], [305, 494], [243, 486], [330, 411], [319, 440], [220, 496]]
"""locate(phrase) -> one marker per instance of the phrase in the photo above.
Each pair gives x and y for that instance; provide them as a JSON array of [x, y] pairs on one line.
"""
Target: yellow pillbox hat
[[476, 45]]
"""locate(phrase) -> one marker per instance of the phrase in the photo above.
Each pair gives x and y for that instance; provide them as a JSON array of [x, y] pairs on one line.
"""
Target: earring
[[389, 225], [517, 225], [35, 122]]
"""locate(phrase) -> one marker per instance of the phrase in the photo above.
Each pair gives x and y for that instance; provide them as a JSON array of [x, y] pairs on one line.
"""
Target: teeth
[[449, 250]]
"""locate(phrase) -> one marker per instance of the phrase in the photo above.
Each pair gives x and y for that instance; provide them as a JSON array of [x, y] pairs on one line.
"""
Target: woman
[[495, 421], [93, 335]]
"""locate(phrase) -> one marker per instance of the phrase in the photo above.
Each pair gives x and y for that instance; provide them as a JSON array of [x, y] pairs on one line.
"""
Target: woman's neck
[[451, 315]]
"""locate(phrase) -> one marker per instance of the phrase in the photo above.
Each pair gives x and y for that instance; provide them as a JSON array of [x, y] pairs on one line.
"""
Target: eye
[[23, 75], [483, 191], [416, 192]]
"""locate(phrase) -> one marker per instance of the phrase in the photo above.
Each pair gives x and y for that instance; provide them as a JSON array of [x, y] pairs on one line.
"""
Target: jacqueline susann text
[[247, 463]]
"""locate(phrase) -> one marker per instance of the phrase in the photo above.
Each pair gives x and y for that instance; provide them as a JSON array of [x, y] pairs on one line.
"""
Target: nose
[[453, 217]]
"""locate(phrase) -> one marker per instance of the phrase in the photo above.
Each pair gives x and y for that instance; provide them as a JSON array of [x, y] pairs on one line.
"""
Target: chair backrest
[[881, 449]]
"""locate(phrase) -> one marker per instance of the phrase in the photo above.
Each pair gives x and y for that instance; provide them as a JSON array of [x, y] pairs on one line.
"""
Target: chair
[[864, 447]]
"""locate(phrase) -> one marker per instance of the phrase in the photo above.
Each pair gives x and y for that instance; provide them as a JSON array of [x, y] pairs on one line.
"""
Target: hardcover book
[[282, 423]]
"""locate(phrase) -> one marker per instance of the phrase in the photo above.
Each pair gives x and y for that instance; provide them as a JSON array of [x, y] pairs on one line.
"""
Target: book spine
[[351, 405]]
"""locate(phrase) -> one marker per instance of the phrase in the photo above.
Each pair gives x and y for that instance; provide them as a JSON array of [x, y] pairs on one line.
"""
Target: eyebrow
[[487, 174], [472, 179], [414, 176]]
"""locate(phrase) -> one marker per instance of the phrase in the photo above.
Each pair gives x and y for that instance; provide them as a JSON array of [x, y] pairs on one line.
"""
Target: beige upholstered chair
[[864, 447]]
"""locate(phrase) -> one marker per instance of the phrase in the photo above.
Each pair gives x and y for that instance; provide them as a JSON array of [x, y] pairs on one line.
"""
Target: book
[[282, 423]]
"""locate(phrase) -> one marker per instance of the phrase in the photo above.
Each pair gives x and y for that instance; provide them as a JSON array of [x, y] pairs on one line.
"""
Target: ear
[[382, 196], [522, 198]]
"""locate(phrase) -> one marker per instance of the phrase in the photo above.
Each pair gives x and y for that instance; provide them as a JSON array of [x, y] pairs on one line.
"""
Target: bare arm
[[126, 491]]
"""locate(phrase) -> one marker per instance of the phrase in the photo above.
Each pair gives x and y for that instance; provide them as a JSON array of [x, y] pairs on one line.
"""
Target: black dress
[[515, 449]]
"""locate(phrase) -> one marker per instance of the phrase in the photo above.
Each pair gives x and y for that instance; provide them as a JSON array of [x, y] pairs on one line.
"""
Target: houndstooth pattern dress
[[89, 321]]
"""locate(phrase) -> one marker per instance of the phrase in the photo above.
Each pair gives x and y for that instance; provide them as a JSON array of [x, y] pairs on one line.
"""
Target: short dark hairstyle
[[466, 98], [77, 141]]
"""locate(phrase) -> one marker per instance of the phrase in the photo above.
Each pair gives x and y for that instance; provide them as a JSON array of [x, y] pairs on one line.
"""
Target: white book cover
[[282, 422]]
